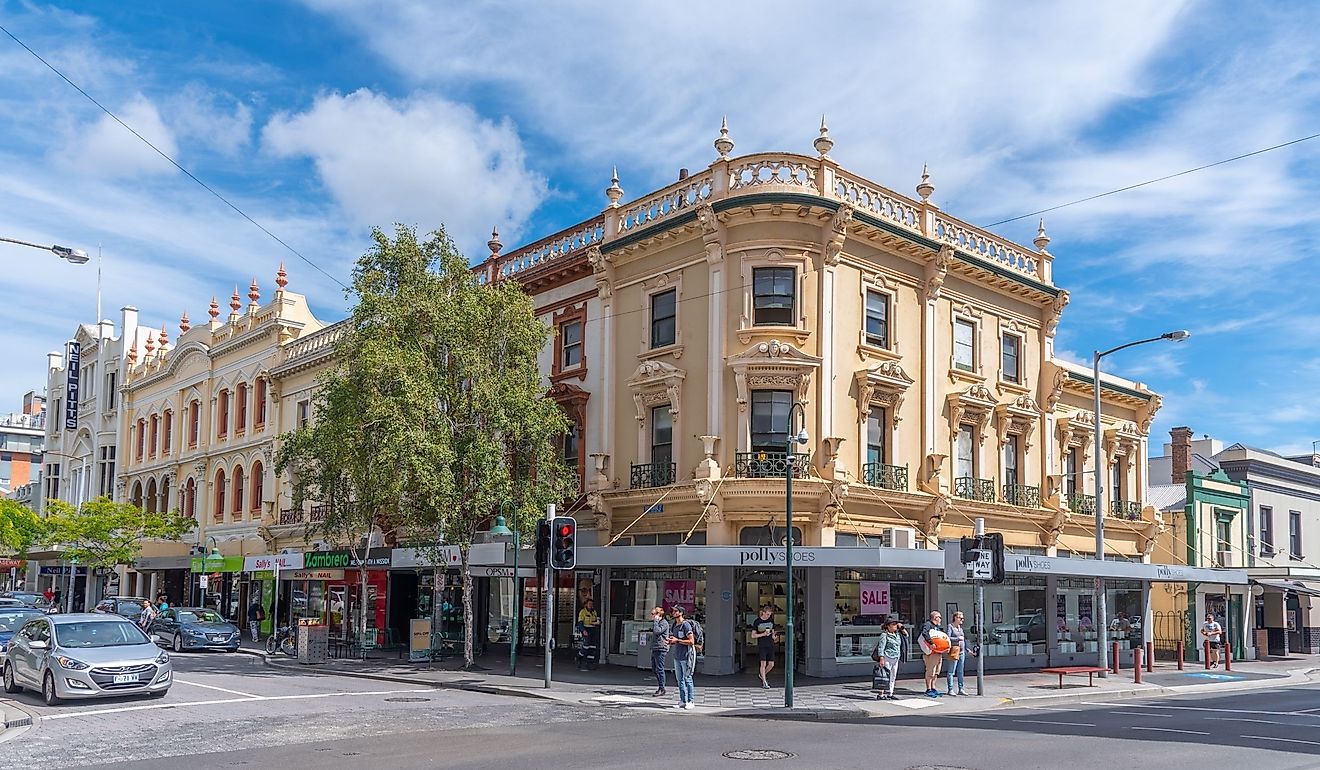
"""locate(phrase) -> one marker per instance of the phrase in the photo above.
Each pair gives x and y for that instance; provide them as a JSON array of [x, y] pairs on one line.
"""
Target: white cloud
[[106, 149], [422, 161], [215, 120]]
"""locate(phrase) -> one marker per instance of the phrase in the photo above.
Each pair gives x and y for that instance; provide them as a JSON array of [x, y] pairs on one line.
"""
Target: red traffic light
[[565, 530]]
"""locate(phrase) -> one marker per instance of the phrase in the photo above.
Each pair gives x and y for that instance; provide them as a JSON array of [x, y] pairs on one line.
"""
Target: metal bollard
[[1228, 655], [1115, 658], [1205, 654], [1136, 665], [1182, 651], [1150, 657]]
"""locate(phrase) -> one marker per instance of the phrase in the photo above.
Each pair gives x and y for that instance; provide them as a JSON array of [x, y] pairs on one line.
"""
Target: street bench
[[1063, 671]]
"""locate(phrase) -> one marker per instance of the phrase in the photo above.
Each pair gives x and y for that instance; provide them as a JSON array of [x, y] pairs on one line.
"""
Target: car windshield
[[35, 599], [130, 609], [199, 616], [12, 621], [98, 634]]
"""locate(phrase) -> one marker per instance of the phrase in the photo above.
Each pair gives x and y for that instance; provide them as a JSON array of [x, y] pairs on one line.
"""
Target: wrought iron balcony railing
[[653, 475], [1022, 496], [317, 514], [1079, 503], [290, 516], [768, 465], [1125, 509], [885, 476], [971, 488]]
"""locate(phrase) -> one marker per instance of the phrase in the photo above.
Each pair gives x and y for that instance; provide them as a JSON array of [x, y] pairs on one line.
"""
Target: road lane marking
[[1047, 722], [975, 719], [1244, 719], [1169, 730], [213, 687], [1140, 714], [1217, 711], [222, 701], [1286, 740]]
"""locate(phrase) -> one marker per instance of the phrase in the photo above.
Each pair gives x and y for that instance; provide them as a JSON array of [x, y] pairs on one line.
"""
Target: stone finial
[[132, 355], [614, 192], [184, 324], [1042, 238], [164, 337], [925, 187], [723, 144], [823, 143], [254, 295], [215, 309], [494, 243], [151, 342], [234, 303], [281, 278]]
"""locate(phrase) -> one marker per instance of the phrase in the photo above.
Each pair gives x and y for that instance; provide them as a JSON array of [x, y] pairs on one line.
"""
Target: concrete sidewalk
[[821, 699]]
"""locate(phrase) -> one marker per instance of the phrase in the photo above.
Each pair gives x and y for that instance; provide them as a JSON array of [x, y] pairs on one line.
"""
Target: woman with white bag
[[887, 653]]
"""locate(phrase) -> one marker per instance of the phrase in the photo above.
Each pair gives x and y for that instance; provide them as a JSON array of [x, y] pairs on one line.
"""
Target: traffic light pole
[[549, 602], [979, 612]]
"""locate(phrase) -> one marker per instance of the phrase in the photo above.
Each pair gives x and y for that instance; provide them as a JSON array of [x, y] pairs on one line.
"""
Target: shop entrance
[[762, 588], [1230, 617]]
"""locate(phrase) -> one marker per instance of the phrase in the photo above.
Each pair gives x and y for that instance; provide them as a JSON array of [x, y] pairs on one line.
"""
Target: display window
[[1014, 613], [633, 592], [862, 600]]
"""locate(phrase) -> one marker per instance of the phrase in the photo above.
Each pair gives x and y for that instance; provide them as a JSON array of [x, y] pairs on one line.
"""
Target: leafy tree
[[103, 533], [434, 400], [20, 527]]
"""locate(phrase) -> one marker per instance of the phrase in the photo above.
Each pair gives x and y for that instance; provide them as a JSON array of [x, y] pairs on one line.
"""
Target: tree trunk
[[468, 658]]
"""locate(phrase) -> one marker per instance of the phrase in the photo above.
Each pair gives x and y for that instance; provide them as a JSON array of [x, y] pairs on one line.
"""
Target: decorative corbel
[[832, 468], [835, 233], [599, 478], [712, 232], [936, 270], [602, 267], [1053, 497], [1147, 415], [1053, 529], [932, 519], [1055, 308], [1150, 534], [1056, 390], [929, 479]]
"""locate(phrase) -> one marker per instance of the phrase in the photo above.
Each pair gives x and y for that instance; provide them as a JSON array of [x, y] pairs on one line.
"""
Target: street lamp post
[[74, 256], [501, 528], [789, 469], [207, 558], [1102, 621]]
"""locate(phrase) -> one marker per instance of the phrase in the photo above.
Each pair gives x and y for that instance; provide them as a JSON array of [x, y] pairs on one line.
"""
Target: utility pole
[[549, 603], [979, 612]]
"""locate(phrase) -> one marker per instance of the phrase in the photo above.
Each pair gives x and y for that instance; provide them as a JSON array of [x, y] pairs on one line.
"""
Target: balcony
[[885, 476], [317, 514], [1079, 503], [1022, 495], [971, 488], [653, 475], [769, 465], [1125, 509], [290, 516]]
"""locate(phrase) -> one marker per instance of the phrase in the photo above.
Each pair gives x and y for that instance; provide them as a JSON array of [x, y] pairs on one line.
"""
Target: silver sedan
[[85, 655]]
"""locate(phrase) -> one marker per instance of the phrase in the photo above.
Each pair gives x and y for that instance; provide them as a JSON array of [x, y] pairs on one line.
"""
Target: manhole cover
[[758, 754], [407, 700]]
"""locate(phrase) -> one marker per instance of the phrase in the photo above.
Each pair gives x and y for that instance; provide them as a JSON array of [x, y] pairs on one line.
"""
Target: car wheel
[[178, 643], [11, 686], [48, 693]]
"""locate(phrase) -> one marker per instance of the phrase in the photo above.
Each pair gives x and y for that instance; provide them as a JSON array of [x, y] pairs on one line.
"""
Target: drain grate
[[407, 700], [756, 754]]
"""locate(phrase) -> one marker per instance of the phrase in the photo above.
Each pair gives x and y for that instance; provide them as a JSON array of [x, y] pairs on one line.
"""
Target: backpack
[[698, 636]]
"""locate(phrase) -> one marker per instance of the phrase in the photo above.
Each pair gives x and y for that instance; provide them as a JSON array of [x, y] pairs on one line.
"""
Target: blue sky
[[323, 118]]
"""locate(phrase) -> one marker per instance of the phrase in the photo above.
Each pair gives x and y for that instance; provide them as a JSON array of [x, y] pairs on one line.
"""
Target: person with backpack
[[887, 653], [683, 642]]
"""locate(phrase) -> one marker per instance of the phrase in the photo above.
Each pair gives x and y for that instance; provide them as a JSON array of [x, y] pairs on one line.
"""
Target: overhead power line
[[171, 160]]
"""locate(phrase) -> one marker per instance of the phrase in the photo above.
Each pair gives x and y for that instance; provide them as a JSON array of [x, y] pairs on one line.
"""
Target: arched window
[[259, 404], [194, 422], [136, 499], [222, 412], [167, 428], [258, 482], [190, 499], [238, 491], [151, 496], [140, 439], [240, 408], [163, 504], [219, 496], [155, 435]]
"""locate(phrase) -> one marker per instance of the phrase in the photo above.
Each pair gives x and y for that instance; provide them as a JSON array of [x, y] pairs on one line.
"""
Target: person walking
[[148, 616], [887, 653], [957, 654], [763, 631], [255, 614], [1213, 633], [682, 637], [659, 648], [934, 643]]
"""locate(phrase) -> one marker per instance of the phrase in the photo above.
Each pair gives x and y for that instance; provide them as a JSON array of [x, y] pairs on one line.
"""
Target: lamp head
[[500, 527], [75, 256], [1177, 336]]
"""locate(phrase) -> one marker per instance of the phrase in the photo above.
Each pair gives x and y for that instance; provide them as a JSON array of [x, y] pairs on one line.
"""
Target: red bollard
[[1205, 654], [1114, 657], [1136, 665], [1182, 651], [1150, 657], [1228, 656]]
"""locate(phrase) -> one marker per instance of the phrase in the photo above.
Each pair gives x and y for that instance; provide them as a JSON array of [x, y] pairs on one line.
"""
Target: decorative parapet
[[308, 350]]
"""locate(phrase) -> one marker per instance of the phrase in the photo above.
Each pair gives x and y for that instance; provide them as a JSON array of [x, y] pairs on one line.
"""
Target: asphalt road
[[229, 711]]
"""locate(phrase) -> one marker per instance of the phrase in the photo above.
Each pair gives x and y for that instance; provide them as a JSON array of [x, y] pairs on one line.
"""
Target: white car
[[85, 655]]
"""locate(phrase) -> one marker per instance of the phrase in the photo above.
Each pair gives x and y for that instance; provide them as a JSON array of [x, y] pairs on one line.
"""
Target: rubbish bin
[[644, 650], [312, 643]]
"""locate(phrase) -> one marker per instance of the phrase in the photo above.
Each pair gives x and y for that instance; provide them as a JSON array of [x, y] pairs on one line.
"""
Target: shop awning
[[1293, 586]]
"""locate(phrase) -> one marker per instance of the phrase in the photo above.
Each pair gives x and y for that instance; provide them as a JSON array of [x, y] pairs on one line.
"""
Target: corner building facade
[[691, 322]]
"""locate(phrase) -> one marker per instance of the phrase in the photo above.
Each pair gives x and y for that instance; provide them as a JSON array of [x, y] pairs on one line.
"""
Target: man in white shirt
[[1213, 633]]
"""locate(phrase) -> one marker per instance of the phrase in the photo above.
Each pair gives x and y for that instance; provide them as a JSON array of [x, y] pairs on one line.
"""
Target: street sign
[[202, 581], [984, 566]]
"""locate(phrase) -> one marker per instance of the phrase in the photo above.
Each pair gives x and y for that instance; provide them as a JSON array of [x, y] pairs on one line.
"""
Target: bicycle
[[284, 639]]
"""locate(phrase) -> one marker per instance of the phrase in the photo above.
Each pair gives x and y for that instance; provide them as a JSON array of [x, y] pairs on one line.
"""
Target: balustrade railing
[[1125, 509], [972, 488], [652, 475], [873, 199], [768, 465], [290, 516], [885, 476], [772, 170], [684, 194], [1022, 496], [562, 243], [315, 342], [317, 514], [989, 247], [1079, 503]]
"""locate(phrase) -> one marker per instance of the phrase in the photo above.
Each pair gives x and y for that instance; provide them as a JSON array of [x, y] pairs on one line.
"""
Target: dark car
[[12, 619], [126, 606], [28, 598], [194, 628]]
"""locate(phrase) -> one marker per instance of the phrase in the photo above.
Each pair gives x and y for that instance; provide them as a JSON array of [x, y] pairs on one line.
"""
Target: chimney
[[682, 174], [128, 322], [1181, 446]]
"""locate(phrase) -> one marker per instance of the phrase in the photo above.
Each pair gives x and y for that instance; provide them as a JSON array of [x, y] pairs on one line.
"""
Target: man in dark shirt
[[763, 631], [659, 648]]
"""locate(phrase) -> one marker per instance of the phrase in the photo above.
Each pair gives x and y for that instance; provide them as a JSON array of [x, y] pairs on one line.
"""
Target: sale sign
[[875, 598], [679, 593]]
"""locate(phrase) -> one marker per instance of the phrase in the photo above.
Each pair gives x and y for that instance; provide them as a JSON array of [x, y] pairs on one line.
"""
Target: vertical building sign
[[72, 385]]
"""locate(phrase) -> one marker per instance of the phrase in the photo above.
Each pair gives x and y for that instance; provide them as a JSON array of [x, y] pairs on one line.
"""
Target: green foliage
[[103, 533], [20, 527], [435, 409]]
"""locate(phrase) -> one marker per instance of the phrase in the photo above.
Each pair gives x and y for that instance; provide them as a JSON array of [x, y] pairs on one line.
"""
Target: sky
[[323, 118]]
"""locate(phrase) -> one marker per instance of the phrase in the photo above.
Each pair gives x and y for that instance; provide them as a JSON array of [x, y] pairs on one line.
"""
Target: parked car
[[12, 618], [85, 655], [8, 602], [127, 606], [1031, 625], [28, 598], [195, 628]]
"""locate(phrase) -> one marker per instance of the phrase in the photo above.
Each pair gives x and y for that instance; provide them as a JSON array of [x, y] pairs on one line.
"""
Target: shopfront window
[[862, 599], [1074, 616], [634, 592], [1126, 611], [1014, 611]]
